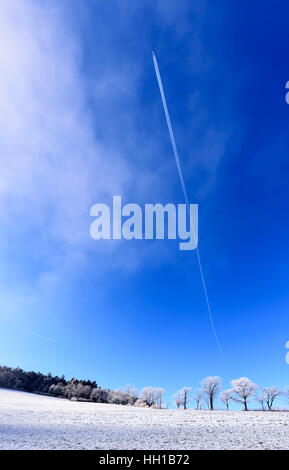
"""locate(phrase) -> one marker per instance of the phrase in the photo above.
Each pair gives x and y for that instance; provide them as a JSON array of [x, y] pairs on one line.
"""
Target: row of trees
[[242, 391]]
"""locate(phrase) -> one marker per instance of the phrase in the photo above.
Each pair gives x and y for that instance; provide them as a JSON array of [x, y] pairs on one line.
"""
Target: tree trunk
[[211, 403], [245, 404]]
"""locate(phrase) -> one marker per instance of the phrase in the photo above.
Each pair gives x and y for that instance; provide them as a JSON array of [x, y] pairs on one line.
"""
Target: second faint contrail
[[185, 194], [33, 333]]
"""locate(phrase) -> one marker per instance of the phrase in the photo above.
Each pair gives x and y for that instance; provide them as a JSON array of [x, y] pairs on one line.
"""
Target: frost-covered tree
[[132, 392], [118, 397], [185, 396], [226, 397], [147, 395], [177, 399], [82, 391], [243, 389], [159, 392], [152, 396], [71, 388], [259, 397], [270, 394], [99, 395], [211, 387], [57, 389], [198, 396]]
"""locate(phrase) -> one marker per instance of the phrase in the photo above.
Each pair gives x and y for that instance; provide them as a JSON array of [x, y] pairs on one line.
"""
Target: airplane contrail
[[176, 154], [33, 333]]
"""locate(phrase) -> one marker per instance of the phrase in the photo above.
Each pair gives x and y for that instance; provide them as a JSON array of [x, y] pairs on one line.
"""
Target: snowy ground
[[36, 422]]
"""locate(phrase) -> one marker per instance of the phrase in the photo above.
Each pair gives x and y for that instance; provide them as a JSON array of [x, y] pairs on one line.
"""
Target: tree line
[[74, 389], [242, 391]]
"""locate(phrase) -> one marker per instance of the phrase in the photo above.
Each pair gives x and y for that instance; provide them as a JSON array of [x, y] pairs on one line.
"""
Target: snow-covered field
[[36, 422]]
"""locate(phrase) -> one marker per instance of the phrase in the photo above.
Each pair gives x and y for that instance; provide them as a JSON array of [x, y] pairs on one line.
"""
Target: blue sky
[[81, 121]]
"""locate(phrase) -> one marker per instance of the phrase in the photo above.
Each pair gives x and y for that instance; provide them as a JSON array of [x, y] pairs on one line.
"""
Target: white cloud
[[52, 166]]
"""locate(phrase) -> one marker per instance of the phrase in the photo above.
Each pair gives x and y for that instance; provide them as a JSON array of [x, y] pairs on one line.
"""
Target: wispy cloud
[[52, 166]]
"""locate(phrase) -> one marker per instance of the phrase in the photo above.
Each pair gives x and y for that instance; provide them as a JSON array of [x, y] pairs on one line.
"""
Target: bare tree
[[178, 399], [226, 397], [211, 387], [270, 394], [198, 396], [185, 396], [243, 389]]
